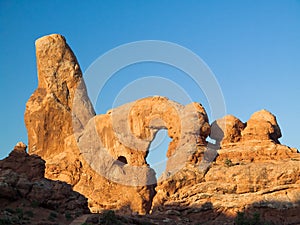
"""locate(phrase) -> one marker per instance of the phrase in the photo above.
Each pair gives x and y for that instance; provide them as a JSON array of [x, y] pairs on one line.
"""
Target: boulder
[[261, 126], [22, 179], [227, 130]]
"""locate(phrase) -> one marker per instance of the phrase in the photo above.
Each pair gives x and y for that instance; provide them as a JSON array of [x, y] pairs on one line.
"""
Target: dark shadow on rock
[[268, 212], [59, 196], [216, 134], [22, 180], [256, 214]]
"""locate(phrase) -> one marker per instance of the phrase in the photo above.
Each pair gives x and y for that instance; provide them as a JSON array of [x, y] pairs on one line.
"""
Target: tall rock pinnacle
[[50, 116]]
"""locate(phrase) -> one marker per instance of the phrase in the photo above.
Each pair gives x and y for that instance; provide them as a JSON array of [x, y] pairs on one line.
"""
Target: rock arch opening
[[157, 152], [122, 160]]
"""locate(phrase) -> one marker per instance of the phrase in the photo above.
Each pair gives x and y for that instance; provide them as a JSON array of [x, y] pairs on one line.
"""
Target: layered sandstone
[[50, 111], [104, 156], [252, 173], [56, 112]]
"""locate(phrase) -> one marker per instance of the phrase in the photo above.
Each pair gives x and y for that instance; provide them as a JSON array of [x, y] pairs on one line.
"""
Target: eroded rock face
[[262, 126], [22, 163], [22, 178], [57, 111], [252, 173], [83, 149], [128, 130], [227, 130], [104, 156], [51, 110], [255, 140]]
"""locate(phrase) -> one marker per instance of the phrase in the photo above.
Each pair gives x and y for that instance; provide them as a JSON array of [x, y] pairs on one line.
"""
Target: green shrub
[[52, 216], [35, 204], [29, 213], [5, 222], [10, 210], [68, 216], [228, 163], [253, 219], [19, 213], [109, 217]]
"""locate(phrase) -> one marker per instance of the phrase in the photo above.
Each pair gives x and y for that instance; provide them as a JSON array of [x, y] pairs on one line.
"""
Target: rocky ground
[[229, 192], [26, 197]]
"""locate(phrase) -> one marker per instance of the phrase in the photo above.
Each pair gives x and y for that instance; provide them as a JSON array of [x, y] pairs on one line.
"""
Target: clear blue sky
[[253, 48]]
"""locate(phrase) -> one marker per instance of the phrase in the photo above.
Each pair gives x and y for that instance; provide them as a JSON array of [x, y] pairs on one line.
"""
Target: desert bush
[[52, 216], [228, 162], [68, 216], [254, 219], [109, 217], [29, 213]]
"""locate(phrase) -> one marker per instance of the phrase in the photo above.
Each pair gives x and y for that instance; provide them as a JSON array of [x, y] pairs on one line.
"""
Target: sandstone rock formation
[[255, 140], [83, 150], [104, 156], [252, 173], [51, 111], [128, 130], [262, 126], [57, 110], [22, 183], [227, 130]]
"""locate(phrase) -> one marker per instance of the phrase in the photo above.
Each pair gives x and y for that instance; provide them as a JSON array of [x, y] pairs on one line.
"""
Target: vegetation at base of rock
[[35, 204], [5, 222], [10, 210], [52, 216], [68, 216], [19, 213], [109, 217], [29, 213], [254, 219], [228, 163]]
